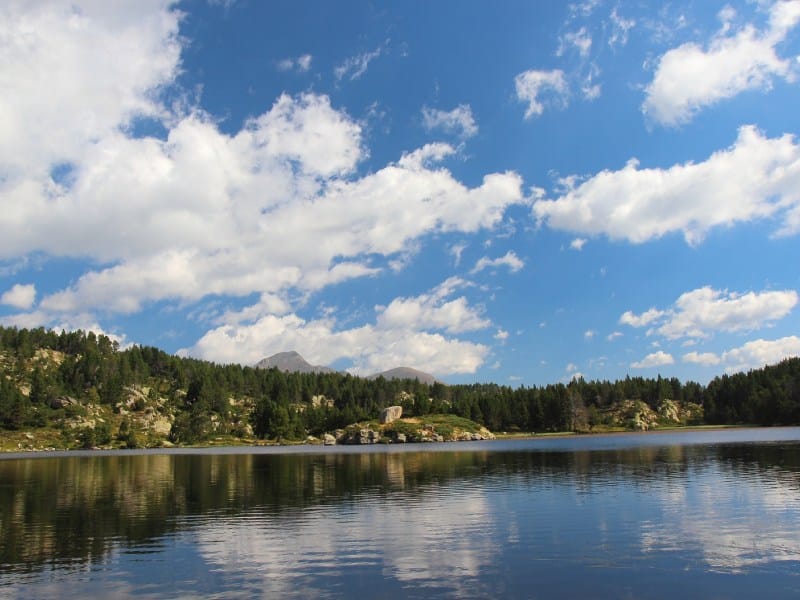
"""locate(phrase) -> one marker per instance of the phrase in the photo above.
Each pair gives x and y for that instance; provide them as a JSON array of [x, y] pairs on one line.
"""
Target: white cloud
[[432, 311], [656, 359], [355, 66], [370, 348], [751, 355], [620, 28], [647, 317], [759, 177], [501, 335], [758, 353], [458, 121], [577, 244], [614, 335], [509, 259], [580, 40], [540, 89], [456, 250], [262, 211], [301, 64], [589, 334], [689, 78], [702, 358], [73, 73], [407, 332], [703, 311], [20, 296]]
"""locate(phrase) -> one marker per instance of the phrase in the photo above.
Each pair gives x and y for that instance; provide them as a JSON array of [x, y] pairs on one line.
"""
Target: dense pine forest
[[86, 386]]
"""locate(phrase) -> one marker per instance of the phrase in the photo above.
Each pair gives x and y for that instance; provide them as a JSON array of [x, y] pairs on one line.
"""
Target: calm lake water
[[711, 514]]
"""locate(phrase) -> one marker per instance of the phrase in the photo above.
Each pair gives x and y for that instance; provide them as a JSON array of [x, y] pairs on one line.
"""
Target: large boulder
[[390, 414], [63, 402]]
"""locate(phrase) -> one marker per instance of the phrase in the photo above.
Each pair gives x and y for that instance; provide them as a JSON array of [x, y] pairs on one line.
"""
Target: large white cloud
[[414, 331], [701, 312], [757, 177], [73, 72], [751, 355], [20, 296], [433, 311], [690, 77]]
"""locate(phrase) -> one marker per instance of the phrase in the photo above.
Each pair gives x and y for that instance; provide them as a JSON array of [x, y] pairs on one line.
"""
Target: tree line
[[203, 396]]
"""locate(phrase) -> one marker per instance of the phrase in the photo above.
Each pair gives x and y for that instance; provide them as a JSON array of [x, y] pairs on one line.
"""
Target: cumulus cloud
[[509, 259], [301, 64], [20, 296], [431, 311], [61, 92], [758, 353], [647, 317], [260, 211], [413, 331], [751, 355], [689, 78], [701, 312], [541, 89], [656, 359], [458, 121], [759, 177], [702, 358]]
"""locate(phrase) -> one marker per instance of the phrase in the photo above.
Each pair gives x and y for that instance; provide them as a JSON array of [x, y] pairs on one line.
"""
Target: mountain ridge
[[292, 362]]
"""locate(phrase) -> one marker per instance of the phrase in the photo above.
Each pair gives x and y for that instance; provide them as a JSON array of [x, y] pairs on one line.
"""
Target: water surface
[[703, 514]]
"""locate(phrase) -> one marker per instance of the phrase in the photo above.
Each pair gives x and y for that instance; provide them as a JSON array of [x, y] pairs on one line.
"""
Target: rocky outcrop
[[63, 402], [390, 414]]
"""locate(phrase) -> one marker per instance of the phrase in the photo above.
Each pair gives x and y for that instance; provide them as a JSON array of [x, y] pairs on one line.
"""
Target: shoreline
[[261, 446]]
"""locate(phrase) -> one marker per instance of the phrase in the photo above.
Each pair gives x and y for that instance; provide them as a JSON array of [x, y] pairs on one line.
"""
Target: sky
[[517, 192]]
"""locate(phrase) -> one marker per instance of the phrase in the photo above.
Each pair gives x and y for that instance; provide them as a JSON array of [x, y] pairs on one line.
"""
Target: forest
[[46, 374]]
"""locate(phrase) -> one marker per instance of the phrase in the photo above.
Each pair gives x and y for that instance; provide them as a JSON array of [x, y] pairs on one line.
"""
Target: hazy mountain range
[[292, 362]]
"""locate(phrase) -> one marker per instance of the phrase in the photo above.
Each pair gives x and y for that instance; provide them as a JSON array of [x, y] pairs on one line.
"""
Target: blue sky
[[518, 192]]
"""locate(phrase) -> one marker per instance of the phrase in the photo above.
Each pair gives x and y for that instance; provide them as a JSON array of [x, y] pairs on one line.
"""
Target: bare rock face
[[390, 414], [62, 402]]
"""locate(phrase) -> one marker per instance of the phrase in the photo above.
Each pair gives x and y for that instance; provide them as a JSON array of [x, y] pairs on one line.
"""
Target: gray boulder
[[390, 414]]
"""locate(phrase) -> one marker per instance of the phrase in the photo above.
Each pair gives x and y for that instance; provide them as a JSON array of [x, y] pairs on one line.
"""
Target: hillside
[[80, 390]]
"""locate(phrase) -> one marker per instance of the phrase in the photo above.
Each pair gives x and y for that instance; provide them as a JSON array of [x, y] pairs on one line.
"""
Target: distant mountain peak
[[291, 362], [406, 373]]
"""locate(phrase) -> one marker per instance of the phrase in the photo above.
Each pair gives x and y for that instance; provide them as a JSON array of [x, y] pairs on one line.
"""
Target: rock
[[328, 440], [400, 438], [390, 414], [62, 402]]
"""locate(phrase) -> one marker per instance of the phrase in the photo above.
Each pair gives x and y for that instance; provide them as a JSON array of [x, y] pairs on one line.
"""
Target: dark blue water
[[712, 514]]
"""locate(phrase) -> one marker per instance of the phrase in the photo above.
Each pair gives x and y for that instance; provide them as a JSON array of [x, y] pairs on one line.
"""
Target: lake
[[692, 514]]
